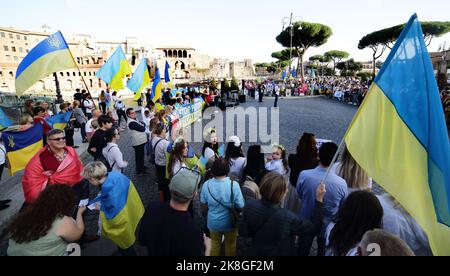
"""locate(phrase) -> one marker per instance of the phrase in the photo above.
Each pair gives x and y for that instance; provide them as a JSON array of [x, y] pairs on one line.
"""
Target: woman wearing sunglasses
[[54, 164]]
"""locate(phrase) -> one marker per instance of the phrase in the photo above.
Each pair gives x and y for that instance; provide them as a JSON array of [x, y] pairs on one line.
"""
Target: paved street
[[326, 118]]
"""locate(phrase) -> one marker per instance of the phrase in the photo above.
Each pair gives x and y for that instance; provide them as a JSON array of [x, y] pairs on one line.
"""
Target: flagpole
[[340, 148]]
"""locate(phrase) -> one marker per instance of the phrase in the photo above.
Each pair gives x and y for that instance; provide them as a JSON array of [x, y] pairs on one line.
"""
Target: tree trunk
[[374, 67], [300, 66]]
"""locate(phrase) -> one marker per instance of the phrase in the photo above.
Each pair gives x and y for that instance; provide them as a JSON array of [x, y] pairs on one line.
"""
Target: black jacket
[[274, 229]]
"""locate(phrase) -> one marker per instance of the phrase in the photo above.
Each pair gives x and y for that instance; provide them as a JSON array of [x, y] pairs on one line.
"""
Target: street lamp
[[290, 22]]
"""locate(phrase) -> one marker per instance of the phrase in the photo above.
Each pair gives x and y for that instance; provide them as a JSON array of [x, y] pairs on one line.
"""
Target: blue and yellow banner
[[121, 210], [400, 138], [157, 87], [59, 121], [49, 56], [5, 122], [140, 79], [22, 146], [115, 69]]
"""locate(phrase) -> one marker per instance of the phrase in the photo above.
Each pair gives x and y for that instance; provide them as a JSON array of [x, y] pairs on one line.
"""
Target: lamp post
[[289, 21]]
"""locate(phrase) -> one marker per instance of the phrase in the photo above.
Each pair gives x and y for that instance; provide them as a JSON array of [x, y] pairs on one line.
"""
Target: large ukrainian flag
[[22, 146], [115, 69], [121, 210], [49, 56], [157, 87], [400, 138], [140, 79], [59, 121]]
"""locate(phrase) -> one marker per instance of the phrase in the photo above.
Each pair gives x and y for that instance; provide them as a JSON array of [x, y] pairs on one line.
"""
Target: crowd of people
[[279, 203]]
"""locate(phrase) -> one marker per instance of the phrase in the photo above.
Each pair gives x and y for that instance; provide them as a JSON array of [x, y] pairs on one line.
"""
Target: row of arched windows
[[87, 61], [176, 54], [62, 74]]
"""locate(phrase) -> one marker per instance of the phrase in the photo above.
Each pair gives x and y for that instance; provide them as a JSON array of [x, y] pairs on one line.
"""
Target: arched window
[[165, 53], [11, 74], [170, 53], [93, 61], [1, 73], [90, 74], [68, 74], [180, 53], [91, 82], [74, 74], [175, 53], [62, 74], [185, 55], [85, 74], [87, 61]]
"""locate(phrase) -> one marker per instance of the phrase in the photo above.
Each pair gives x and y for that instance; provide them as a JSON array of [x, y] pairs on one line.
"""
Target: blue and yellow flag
[[222, 151], [49, 56], [59, 121], [22, 146], [4, 120], [284, 75], [121, 210], [400, 138], [167, 74], [115, 69], [140, 79], [157, 87]]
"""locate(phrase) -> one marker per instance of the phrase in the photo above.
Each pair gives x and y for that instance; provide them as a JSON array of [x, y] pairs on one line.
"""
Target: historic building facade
[[90, 55]]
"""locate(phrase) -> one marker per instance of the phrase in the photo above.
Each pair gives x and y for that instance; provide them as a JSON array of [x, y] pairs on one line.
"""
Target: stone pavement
[[326, 118]]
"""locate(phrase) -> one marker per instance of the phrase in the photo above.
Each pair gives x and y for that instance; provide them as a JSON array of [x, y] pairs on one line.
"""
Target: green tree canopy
[[234, 84], [336, 56], [349, 67], [305, 36], [380, 40]]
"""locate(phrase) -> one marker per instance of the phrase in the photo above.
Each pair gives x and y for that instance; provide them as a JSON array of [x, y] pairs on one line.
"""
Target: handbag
[[235, 213]]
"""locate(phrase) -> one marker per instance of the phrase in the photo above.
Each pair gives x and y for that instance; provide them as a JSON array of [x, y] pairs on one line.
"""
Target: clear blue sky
[[233, 29]]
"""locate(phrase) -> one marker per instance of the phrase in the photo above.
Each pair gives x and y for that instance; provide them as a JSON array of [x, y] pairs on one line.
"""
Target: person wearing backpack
[[112, 152], [222, 198], [98, 141], [158, 157]]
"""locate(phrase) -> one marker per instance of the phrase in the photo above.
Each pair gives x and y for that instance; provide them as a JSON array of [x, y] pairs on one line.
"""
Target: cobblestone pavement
[[326, 118]]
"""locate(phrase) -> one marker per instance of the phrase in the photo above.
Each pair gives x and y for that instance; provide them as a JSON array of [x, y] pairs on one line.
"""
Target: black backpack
[[152, 154], [102, 158]]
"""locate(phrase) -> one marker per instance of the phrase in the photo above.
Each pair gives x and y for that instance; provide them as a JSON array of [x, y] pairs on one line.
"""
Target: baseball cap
[[185, 183]]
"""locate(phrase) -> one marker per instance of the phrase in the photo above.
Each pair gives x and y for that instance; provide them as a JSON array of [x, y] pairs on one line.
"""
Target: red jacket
[[35, 179]]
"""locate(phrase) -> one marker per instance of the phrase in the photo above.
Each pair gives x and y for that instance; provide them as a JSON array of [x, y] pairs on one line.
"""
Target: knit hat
[[184, 184]]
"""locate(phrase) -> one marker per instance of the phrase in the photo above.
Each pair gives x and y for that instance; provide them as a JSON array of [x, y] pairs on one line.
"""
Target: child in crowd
[[277, 162]]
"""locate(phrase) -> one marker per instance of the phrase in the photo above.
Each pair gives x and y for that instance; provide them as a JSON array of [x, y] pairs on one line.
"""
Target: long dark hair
[[255, 163], [233, 152], [33, 223], [307, 152], [176, 155], [361, 212]]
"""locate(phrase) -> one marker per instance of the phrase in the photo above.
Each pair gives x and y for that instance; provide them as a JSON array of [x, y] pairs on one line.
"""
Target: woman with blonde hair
[[357, 179]]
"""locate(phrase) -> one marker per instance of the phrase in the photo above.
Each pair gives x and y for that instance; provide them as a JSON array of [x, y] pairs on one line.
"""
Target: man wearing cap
[[168, 228]]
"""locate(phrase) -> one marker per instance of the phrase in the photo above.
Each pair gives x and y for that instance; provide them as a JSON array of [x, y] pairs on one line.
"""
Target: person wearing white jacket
[[112, 152]]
